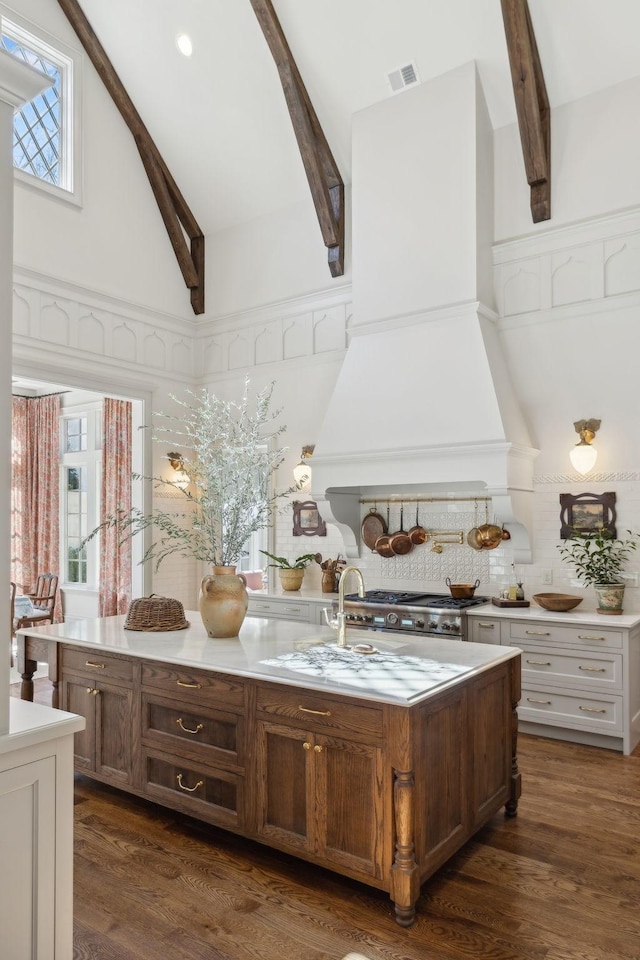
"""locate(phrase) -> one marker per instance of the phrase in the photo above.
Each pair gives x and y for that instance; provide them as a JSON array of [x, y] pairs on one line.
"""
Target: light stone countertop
[[33, 723], [406, 670], [310, 594], [575, 617]]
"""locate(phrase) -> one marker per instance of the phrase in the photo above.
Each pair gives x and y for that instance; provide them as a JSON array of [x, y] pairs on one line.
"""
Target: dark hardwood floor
[[561, 881]]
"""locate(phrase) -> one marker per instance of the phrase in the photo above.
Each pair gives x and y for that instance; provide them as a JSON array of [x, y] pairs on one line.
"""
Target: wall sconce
[[181, 480], [302, 470], [583, 456]]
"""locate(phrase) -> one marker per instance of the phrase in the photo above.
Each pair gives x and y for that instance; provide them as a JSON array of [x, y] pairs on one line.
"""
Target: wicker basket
[[155, 614]]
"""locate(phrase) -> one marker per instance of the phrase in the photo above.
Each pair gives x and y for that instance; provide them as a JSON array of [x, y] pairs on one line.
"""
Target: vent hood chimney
[[423, 403]]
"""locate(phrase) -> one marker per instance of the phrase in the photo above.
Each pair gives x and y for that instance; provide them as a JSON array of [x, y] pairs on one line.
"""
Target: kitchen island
[[379, 766]]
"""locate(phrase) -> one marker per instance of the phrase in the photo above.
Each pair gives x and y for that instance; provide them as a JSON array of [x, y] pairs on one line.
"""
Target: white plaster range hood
[[423, 403]]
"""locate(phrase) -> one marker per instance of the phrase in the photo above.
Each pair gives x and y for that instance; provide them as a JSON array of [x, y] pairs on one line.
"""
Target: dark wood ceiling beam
[[325, 182], [532, 104], [174, 210]]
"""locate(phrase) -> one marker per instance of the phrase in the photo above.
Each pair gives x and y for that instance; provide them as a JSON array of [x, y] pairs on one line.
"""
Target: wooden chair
[[43, 598]]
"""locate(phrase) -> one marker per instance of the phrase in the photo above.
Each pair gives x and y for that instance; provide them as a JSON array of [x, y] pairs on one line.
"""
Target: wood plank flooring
[[561, 881]]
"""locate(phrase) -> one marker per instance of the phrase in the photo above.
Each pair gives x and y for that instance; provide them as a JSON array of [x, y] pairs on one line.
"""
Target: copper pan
[[418, 534], [383, 543], [400, 542], [373, 526]]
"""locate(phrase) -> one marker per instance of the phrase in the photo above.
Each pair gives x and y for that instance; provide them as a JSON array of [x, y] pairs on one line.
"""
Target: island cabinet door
[[283, 785], [104, 747], [349, 812]]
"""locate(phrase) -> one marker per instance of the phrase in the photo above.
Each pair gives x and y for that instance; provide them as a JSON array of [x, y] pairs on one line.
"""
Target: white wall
[[116, 244], [270, 260], [595, 157]]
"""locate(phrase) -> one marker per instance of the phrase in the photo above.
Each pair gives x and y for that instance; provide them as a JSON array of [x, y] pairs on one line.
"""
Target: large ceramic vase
[[223, 602], [610, 597]]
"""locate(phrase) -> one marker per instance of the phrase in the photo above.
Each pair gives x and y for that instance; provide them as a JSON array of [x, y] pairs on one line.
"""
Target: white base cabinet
[[580, 680], [293, 607], [36, 833]]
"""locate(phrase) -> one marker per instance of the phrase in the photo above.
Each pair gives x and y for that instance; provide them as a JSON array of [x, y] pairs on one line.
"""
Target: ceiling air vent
[[403, 77]]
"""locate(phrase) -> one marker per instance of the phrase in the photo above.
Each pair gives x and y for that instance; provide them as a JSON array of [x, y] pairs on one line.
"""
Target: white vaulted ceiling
[[220, 120]]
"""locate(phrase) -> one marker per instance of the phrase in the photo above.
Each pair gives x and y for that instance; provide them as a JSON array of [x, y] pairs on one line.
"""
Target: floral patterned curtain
[[115, 558], [35, 491]]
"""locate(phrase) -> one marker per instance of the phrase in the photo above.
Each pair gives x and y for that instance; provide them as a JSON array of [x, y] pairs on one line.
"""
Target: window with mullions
[[80, 476], [45, 147], [75, 509]]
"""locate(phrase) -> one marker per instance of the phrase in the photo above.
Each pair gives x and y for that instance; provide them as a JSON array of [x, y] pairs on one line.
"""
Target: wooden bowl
[[558, 602]]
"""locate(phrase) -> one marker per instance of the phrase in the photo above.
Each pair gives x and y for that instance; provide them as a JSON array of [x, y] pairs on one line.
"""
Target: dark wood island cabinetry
[[382, 787]]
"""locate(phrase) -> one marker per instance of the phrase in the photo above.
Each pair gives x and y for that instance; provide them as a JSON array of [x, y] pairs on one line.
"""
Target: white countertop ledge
[[409, 670], [33, 723], [575, 617]]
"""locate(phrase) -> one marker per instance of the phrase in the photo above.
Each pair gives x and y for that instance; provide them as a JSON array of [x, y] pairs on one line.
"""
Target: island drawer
[[568, 668], [212, 795], [308, 709], [570, 708], [194, 686], [551, 633], [281, 609], [214, 736], [91, 662]]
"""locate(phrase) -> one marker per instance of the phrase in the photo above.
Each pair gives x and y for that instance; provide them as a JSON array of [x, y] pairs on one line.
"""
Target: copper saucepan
[[400, 542], [463, 591], [373, 526]]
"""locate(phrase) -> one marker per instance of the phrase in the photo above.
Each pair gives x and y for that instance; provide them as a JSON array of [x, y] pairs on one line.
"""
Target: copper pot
[[463, 591], [400, 542], [489, 536]]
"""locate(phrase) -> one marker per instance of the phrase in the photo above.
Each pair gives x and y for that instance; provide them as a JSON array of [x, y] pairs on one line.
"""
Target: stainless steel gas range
[[427, 614]]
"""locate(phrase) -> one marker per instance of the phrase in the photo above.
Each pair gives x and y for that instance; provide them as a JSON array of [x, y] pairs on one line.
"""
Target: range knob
[[392, 618], [420, 623], [454, 627], [432, 625]]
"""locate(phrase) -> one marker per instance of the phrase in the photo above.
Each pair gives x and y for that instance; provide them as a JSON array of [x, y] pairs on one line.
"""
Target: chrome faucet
[[340, 621]]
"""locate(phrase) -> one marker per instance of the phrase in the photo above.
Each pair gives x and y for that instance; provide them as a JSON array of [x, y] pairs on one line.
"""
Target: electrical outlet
[[546, 577]]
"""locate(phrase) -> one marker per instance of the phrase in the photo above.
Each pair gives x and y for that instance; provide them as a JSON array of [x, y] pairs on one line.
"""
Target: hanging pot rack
[[399, 499]]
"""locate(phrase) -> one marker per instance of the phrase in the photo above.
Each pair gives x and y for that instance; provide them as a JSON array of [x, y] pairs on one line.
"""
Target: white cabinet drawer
[[483, 630], [550, 633], [280, 609], [568, 669], [571, 709]]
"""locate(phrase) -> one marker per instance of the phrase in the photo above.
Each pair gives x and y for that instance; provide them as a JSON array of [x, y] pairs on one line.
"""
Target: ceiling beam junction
[[532, 104], [325, 182], [178, 218]]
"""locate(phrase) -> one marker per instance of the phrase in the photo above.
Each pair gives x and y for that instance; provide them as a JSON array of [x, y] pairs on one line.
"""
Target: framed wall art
[[307, 522], [587, 513]]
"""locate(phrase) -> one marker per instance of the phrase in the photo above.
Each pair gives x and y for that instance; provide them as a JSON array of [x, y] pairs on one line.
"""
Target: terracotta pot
[[223, 602], [291, 579]]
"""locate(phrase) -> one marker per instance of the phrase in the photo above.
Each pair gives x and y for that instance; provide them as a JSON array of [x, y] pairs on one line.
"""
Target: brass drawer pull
[[95, 666], [200, 783], [594, 669], [547, 703], [192, 686], [318, 748], [92, 691], [319, 713], [307, 746], [537, 633], [586, 637], [486, 626], [540, 663], [198, 728], [592, 710]]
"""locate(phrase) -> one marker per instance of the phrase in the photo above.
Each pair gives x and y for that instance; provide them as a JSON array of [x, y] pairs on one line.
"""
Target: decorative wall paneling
[[581, 264], [307, 328], [59, 324]]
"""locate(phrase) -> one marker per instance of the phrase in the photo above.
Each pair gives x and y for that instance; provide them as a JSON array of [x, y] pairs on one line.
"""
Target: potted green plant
[[225, 456], [599, 559], [291, 572]]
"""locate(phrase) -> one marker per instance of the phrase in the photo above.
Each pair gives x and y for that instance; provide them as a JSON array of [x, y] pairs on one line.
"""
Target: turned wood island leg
[[511, 806], [405, 876]]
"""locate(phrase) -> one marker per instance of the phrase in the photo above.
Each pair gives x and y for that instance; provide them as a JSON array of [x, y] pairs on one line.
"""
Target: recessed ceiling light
[[184, 45]]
